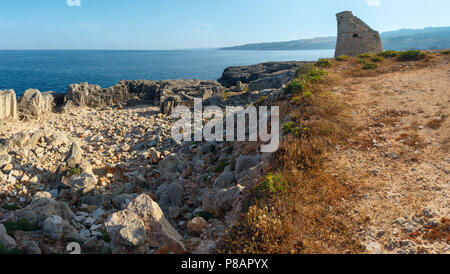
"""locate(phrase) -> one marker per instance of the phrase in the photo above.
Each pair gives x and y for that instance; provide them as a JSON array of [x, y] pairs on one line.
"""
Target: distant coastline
[[404, 39]]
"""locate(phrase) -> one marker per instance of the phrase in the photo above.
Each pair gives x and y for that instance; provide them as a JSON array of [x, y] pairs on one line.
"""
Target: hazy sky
[[175, 24]]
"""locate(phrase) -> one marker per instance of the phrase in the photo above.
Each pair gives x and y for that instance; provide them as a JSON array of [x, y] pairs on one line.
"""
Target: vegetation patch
[[323, 63], [365, 55], [342, 58], [291, 128], [273, 183], [389, 54], [297, 207], [411, 55], [445, 52], [436, 124], [378, 59], [370, 66], [10, 207], [295, 86], [20, 225]]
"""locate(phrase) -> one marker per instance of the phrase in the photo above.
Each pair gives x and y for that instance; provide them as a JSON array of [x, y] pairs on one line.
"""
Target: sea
[[55, 70]]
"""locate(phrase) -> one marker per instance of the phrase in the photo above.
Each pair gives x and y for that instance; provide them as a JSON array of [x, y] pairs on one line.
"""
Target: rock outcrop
[[355, 37], [165, 94], [247, 74], [8, 104], [33, 103]]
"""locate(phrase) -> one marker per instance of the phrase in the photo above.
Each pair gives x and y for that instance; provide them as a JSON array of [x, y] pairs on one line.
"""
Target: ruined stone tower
[[355, 36]]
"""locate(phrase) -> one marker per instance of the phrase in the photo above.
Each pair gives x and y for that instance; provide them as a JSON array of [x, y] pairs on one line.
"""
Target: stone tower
[[8, 104], [355, 36]]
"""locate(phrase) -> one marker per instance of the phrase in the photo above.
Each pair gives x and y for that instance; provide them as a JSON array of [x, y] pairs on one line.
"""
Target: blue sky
[[177, 24]]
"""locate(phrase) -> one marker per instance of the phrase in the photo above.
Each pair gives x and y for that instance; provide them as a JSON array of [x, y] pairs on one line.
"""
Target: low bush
[[291, 128], [323, 63], [377, 59], [342, 58], [273, 183], [389, 54], [369, 66], [445, 52], [365, 55], [411, 55], [295, 86], [19, 225]]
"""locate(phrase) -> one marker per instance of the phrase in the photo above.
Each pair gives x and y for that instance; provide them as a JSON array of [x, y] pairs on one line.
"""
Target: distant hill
[[404, 39]]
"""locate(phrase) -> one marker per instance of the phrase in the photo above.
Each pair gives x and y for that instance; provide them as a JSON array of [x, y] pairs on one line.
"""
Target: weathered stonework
[[355, 37], [8, 104]]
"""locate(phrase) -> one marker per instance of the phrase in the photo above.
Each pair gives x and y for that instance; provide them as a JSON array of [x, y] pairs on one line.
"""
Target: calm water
[[55, 70]]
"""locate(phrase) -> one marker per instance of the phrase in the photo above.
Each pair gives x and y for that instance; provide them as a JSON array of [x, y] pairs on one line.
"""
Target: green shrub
[[445, 52], [10, 207], [291, 128], [307, 94], [389, 54], [323, 63], [362, 61], [313, 75], [295, 86], [377, 59], [20, 225], [365, 55], [342, 58], [370, 66], [303, 69], [75, 171], [273, 183], [411, 55]]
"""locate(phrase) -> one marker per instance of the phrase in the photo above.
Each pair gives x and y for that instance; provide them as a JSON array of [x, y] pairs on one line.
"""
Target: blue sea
[[55, 70]]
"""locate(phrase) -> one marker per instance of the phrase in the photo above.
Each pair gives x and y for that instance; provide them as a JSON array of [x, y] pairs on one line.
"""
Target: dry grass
[[310, 216], [356, 69], [436, 123]]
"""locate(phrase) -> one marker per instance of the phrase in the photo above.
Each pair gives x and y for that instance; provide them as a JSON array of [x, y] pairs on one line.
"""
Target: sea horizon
[[55, 70]]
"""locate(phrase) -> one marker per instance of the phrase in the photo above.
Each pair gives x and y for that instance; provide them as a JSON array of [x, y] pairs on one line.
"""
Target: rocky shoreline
[[98, 166]]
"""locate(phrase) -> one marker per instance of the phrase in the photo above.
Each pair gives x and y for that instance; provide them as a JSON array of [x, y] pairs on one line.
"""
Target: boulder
[[8, 104], [81, 185], [159, 233], [33, 103], [196, 225], [75, 156], [219, 201], [41, 208], [53, 227], [6, 240], [355, 37]]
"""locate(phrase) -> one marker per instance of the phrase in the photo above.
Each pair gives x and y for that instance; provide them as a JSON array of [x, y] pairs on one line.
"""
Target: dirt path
[[400, 156]]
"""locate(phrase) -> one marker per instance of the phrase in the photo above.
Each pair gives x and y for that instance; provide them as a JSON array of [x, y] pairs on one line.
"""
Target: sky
[[182, 24]]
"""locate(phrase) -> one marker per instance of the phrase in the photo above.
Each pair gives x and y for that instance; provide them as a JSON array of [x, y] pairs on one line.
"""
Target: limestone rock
[[247, 74], [75, 156], [41, 208], [8, 104], [355, 37], [220, 201], [196, 225], [53, 227], [159, 232], [33, 103], [5, 239], [82, 184]]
